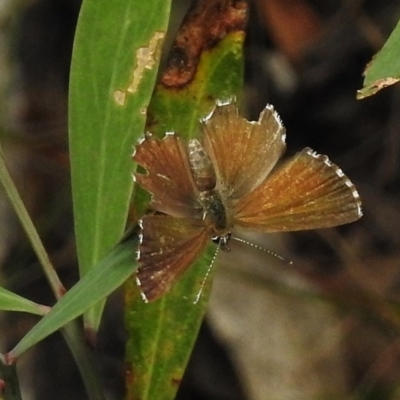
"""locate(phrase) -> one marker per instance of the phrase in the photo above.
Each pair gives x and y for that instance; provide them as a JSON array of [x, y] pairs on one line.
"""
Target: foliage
[[384, 69]]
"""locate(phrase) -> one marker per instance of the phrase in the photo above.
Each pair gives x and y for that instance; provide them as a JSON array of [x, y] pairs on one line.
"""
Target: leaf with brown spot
[[384, 69], [205, 64], [206, 25]]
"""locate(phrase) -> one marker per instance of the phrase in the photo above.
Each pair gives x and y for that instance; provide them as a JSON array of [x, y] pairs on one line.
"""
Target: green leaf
[[162, 334], [219, 77], [10, 301], [114, 66], [96, 285], [384, 69]]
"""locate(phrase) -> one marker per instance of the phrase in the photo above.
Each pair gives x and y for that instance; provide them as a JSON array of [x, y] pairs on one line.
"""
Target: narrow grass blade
[[10, 301], [96, 285]]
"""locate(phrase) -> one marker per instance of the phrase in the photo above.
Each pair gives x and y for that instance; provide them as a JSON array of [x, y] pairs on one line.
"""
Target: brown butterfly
[[203, 190]]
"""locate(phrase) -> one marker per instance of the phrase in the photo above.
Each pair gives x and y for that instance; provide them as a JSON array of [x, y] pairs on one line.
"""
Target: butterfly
[[203, 189]]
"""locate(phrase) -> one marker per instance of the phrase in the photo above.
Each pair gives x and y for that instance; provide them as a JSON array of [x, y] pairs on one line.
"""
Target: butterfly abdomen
[[214, 211]]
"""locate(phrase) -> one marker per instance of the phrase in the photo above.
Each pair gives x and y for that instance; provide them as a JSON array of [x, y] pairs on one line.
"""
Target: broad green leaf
[[114, 65], [96, 285], [162, 334], [219, 77], [10, 301], [384, 69]]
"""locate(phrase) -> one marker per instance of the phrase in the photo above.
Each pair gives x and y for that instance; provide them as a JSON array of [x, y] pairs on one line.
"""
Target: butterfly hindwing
[[167, 248], [308, 192]]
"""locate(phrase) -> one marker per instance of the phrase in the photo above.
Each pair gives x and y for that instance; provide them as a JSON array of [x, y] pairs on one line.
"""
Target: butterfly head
[[223, 241]]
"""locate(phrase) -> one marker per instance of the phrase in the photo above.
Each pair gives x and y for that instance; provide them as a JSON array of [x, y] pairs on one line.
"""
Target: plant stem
[[72, 334], [26, 221], [11, 385]]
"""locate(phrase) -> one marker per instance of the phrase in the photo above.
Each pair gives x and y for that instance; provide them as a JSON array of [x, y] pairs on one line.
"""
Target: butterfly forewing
[[168, 176], [243, 153], [308, 192], [168, 247]]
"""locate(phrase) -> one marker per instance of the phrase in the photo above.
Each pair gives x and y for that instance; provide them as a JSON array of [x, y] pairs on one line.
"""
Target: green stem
[[22, 213], [11, 389], [71, 332], [73, 336]]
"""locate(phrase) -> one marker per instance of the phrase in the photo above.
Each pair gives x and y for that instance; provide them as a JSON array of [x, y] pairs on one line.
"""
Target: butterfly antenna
[[256, 246], [206, 275]]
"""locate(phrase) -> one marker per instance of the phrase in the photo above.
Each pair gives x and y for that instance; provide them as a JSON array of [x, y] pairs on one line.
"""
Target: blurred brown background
[[314, 330]]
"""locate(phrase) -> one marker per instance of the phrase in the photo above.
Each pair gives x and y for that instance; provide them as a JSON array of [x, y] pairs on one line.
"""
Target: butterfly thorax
[[213, 209], [202, 169]]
